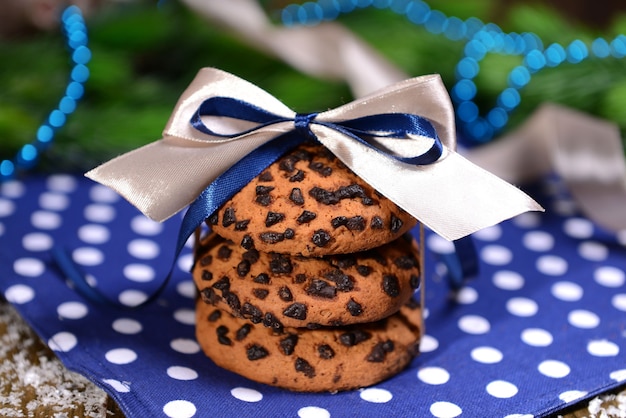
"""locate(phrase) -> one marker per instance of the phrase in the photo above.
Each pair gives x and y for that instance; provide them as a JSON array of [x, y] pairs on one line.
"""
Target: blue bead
[[535, 60], [467, 68], [346, 6], [475, 49], [577, 51], [473, 25], [69, 12], [329, 9], [509, 41], [465, 90], [497, 117], [454, 29], [56, 119], [81, 55], [480, 130], [531, 41], [435, 22], [287, 16], [486, 38], [618, 47], [509, 99], [77, 39], [417, 12], [400, 6], [363, 3], [28, 153], [75, 90], [555, 55], [310, 13], [381, 4], [7, 168], [519, 77], [80, 73], [67, 105], [600, 48], [467, 111], [45, 134]]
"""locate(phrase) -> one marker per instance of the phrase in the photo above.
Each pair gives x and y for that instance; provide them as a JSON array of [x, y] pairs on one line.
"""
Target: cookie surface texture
[[299, 359], [308, 202], [295, 291]]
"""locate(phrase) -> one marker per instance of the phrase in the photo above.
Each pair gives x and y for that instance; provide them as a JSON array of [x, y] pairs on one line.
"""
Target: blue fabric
[[541, 326]]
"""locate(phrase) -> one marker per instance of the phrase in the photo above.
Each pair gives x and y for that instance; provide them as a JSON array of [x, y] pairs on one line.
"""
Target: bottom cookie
[[299, 359]]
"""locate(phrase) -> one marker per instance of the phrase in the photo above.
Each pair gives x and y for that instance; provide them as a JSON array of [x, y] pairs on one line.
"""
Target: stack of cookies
[[306, 279]]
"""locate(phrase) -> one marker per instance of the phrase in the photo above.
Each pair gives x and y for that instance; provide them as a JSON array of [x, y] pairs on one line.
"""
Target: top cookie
[[309, 203]]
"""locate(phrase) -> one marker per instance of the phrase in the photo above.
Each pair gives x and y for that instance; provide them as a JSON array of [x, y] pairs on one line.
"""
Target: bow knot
[[302, 123]]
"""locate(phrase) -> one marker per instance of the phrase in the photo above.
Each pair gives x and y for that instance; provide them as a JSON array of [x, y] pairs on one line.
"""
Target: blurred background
[[145, 53]]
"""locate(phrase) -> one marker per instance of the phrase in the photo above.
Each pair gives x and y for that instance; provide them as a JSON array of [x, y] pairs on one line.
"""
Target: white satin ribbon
[[452, 196]]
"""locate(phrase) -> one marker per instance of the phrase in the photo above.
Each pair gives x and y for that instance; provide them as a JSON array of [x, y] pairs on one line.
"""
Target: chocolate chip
[[377, 223], [262, 278], [261, 190], [296, 196], [405, 262], [280, 264], [325, 351], [414, 281], [356, 223], [273, 218], [343, 281], [353, 337], [206, 260], [213, 219], [288, 163], [256, 352], [306, 217], [270, 321], [251, 312], [223, 253], [412, 304], [288, 344], [260, 293], [263, 200], [323, 196], [252, 256], [302, 154], [242, 225], [303, 366], [299, 176], [350, 192], [391, 285], [395, 224], [247, 242], [345, 261], [208, 296], [243, 268], [321, 169], [289, 233], [354, 307], [222, 284], [285, 294], [206, 275], [367, 201], [296, 311], [321, 288], [321, 238], [243, 332], [379, 352], [229, 217], [221, 335], [338, 221], [215, 315], [233, 301], [272, 237], [363, 270], [266, 176], [300, 278]]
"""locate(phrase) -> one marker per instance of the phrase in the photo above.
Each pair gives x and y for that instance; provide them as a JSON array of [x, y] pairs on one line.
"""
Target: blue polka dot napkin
[[543, 326]]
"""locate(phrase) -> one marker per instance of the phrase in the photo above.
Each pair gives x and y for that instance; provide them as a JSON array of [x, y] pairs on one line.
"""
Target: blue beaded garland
[[480, 40], [76, 35]]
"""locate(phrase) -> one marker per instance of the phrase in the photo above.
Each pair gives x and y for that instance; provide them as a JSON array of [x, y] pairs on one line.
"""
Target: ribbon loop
[[302, 123]]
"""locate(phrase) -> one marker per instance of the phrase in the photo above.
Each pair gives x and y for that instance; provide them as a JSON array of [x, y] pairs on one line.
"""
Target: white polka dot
[[433, 375], [179, 409], [619, 301], [523, 307], [121, 387], [45, 220], [609, 276], [103, 194], [127, 326], [474, 324], [445, 410], [602, 348], [486, 355], [12, 188], [61, 183], [93, 234], [491, 233], [185, 346], [62, 342], [186, 289], [496, 255], [567, 291], [37, 241], [72, 310], [593, 251], [185, 262], [578, 228], [7, 207], [428, 343], [501, 389], [120, 356], [97, 212], [553, 368], [376, 395], [551, 265], [182, 373], [29, 267], [439, 245], [508, 280], [618, 375], [88, 256], [313, 412], [19, 294], [53, 201], [467, 295], [581, 318], [143, 249], [132, 297], [185, 316], [246, 394], [538, 241], [145, 226], [536, 337], [139, 273], [572, 395]]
